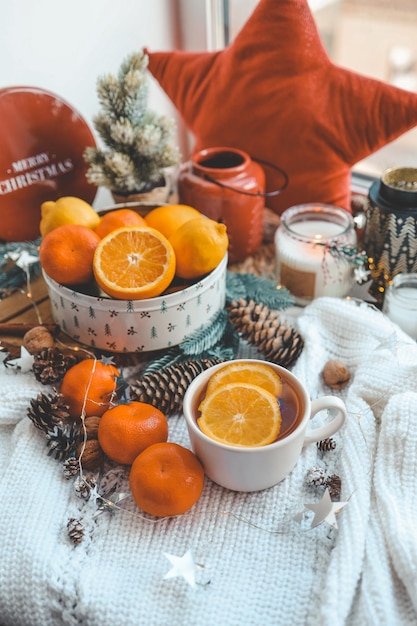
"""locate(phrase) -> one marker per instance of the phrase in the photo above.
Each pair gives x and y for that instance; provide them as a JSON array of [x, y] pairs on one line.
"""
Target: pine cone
[[325, 445], [48, 410], [316, 477], [50, 414], [334, 485], [264, 329], [50, 365], [83, 487], [71, 467], [165, 388], [62, 440], [75, 530]]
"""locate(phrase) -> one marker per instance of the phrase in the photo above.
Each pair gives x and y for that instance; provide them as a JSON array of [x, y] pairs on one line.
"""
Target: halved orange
[[260, 374], [133, 263], [240, 414]]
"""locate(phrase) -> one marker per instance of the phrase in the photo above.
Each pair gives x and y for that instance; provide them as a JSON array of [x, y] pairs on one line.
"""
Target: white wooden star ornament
[[182, 566], [23, 259], [24, 362], [325, 510]]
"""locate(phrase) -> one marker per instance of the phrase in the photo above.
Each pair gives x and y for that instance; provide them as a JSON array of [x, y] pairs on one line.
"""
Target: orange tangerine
[[132, 263], [116, 219], [170, 217], [90, 385], [66, 253], [126, 430], [166, 479]]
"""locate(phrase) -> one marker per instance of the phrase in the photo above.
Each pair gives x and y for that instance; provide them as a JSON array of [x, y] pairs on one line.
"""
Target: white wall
[[64, 46]]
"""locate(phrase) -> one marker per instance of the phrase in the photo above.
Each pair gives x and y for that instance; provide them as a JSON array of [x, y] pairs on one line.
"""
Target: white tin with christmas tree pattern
[[138, 325]]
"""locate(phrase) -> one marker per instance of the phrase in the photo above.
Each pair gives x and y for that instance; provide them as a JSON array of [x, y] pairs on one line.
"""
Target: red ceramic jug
[[226, 185]]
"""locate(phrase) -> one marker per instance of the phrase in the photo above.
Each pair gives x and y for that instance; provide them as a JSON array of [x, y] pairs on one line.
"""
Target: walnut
[[335, 374], [92, 455], [37, 338], [91, 426]]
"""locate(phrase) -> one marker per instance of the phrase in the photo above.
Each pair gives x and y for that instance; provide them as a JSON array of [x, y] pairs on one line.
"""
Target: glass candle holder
[[400, 303], [313, 244]]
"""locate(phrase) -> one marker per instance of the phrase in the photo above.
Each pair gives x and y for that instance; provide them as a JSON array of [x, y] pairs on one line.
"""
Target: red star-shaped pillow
[[275, 94]]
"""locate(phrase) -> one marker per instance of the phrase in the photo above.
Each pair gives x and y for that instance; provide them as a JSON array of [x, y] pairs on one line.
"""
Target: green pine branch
[[257, 288]]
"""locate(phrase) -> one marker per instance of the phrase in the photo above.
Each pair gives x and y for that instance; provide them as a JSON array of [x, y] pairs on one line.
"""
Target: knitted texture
[[16, 392], [256, 564]]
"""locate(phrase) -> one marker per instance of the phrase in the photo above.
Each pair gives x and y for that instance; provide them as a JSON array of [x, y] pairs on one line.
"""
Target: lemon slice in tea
[[240, 414]]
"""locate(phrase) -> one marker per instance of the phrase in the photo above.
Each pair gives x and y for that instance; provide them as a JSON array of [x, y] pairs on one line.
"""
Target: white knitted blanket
[[255, 564]]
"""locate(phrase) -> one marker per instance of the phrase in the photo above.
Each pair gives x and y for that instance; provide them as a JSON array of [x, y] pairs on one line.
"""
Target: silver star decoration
[[182, 566], [325, 510], [23, 259], [361, 274], [107, 360], [25, 362], [110, 504]]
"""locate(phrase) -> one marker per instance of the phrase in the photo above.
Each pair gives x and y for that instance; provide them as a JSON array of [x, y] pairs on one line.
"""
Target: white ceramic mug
[[257, 468]]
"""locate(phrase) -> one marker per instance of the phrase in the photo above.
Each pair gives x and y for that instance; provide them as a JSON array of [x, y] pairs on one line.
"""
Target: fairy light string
[[115, 502]]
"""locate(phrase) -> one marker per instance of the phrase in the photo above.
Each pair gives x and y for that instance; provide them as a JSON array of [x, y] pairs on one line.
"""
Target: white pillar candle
[[304, 262], [400, 303]]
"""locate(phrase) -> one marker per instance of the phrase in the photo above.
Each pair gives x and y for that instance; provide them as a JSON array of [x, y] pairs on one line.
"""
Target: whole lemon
[[67, 210], [199, 245], [168, 218]]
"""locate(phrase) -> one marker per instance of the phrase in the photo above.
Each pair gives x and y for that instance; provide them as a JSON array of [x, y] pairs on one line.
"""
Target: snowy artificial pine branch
[[138, 142]]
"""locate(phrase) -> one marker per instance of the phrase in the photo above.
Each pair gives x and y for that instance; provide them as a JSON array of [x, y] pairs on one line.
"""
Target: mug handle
[[329, 429]]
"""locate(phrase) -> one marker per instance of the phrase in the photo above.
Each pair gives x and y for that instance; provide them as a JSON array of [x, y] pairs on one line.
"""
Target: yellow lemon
[[67, 210], [170, 217], [199, 245]]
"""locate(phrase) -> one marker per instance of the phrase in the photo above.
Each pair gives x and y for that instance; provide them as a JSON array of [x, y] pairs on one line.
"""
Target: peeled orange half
[[133, 263]]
